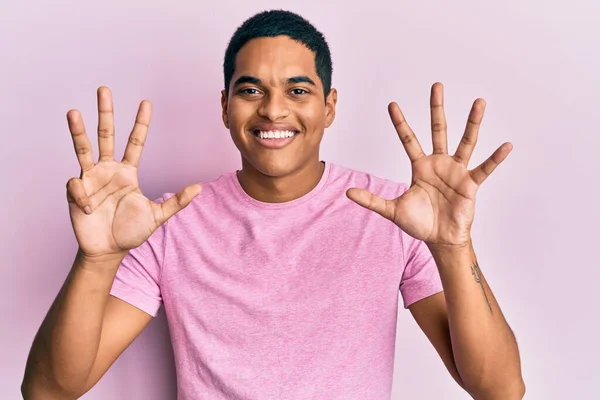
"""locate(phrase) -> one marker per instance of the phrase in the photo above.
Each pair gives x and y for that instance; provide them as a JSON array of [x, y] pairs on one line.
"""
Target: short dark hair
[[280, 23]]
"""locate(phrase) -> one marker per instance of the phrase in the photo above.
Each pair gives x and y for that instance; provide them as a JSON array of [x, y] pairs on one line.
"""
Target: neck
[[280, 189]]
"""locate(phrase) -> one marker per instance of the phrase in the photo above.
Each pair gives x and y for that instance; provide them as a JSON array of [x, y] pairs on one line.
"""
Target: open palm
[[109, 213], [439, 206]]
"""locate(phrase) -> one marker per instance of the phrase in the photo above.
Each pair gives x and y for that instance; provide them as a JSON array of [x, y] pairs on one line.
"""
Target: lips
[[274, 136], [270, 127]]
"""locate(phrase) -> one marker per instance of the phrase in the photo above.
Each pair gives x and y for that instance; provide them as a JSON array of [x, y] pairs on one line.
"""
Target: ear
[[330, 103], [224, 113]]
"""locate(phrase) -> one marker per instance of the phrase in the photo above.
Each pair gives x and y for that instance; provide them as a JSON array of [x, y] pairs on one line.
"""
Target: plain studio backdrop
[[536, 227]]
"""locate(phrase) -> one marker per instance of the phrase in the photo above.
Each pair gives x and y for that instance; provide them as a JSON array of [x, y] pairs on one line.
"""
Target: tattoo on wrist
[[476, 272]]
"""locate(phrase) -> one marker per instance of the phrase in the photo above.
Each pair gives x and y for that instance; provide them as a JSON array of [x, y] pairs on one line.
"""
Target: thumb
[[368, 200], [177, 202]]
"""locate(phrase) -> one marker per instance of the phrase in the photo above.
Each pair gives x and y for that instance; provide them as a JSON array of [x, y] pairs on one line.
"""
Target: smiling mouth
[[273, 135]]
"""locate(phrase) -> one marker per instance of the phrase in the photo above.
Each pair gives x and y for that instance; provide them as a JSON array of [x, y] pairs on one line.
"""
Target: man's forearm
[[66, 345], [484, 347]]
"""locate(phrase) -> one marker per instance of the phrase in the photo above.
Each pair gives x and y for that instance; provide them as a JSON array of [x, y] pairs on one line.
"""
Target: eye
[[249, 91], [299, 91]]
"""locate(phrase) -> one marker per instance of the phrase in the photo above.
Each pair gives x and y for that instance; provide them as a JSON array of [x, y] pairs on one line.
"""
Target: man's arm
[[439, 208], [86, 329], [468, 330], [83, 333]]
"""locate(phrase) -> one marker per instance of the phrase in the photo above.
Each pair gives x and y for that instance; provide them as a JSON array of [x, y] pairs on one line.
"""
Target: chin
[[274, 167]]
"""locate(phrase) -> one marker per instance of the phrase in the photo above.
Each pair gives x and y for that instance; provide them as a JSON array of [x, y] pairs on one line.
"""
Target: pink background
[[536, 228]]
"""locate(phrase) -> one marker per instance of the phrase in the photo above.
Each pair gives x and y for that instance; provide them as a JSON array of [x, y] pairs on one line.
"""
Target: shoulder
[[211, 196], [209, 187], [349, 178]]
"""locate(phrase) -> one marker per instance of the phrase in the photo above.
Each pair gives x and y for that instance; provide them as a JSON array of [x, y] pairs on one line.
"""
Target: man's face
[[275, 108]]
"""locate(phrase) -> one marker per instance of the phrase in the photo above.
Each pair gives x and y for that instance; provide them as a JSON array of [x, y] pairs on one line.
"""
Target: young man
[[280, 280]]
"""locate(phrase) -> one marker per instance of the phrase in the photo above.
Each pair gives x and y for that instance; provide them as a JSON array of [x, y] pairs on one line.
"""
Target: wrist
[[447, 255], [461, 248], [100, 261]]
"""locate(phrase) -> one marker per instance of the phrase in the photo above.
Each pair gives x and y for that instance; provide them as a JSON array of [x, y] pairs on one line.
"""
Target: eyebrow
[[301, 79], [255, 81]]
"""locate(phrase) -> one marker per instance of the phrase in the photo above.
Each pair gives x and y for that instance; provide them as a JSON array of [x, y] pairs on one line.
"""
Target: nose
[[274, 107]]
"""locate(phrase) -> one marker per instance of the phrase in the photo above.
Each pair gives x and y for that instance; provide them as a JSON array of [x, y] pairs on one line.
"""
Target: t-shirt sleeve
[[138, 278], [421, 277]]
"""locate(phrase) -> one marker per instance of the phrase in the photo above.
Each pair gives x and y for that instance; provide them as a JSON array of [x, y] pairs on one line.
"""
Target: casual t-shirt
[[294, 300]]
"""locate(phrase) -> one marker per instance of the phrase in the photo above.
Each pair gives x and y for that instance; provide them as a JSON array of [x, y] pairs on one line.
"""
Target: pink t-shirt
[[294, 300]]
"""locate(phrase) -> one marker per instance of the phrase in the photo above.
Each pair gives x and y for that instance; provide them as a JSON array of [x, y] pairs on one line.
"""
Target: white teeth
[[275, 134]]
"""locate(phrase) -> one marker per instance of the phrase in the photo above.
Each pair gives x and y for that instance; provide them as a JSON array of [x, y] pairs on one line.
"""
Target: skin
[[86, 329], [278, 175], [464, 323]]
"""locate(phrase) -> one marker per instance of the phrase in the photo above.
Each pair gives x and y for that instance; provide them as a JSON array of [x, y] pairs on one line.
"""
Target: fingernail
[[87, 209]]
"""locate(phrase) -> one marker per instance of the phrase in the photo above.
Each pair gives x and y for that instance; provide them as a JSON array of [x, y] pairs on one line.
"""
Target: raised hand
[[109, 213], [439, 206]]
